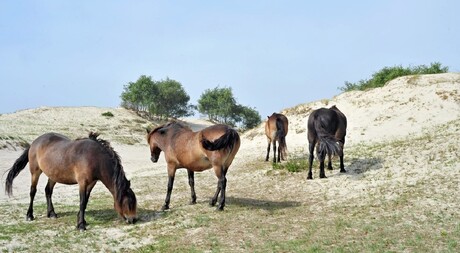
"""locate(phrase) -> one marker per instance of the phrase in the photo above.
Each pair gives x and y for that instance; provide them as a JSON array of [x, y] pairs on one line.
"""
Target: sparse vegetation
[[107, 114], [381, 77]]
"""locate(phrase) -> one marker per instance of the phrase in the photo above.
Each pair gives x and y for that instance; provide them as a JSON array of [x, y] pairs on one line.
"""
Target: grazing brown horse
[[82, 162], [327, 128], [276, 129], [213, 147]]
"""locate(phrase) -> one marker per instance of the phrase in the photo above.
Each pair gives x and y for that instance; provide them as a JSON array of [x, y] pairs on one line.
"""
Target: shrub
[[381, 77], [107, 114]]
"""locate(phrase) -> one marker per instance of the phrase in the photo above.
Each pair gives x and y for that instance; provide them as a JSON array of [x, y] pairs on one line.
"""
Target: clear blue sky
[[274, 54]]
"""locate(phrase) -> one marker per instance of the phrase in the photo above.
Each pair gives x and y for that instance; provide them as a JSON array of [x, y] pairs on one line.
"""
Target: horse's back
[[214, 132], [342, 124], [63, 160]]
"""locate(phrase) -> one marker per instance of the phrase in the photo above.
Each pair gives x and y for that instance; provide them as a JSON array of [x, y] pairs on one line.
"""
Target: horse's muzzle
[[154, 159]]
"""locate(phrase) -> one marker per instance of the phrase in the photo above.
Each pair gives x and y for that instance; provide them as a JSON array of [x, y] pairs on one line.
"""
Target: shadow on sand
[[360, 166]]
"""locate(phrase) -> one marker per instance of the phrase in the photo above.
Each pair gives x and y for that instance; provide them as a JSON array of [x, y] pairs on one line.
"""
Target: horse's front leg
[[191, 182], [49, 192], [81, 222], [170, 188]]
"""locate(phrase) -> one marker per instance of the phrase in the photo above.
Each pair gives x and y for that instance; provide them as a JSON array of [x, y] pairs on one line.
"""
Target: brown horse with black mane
[[276, 129], [327, 128], [213, 147], [83, 162]]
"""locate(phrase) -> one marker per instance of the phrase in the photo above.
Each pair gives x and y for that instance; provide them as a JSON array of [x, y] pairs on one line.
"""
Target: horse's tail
[[281, 135], [226, 141], [18, 166], [327, 142]]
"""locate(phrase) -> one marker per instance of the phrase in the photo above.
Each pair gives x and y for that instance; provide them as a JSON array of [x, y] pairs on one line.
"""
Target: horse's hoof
[[30, 218], [220, 209], [322, 176], [164, 208], [81, 227], [52, 215], [343, 171], [193, 202]]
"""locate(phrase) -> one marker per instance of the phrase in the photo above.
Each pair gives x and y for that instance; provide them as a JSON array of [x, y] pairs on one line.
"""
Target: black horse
[[327, 128]]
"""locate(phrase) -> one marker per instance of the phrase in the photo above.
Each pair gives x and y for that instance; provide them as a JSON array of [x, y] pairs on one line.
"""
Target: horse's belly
[[200, 165], [63, 179]]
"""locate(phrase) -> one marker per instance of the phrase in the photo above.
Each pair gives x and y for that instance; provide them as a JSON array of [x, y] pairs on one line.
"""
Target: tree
[[165, 98], [220, 106], [172, 100], [250, 117]]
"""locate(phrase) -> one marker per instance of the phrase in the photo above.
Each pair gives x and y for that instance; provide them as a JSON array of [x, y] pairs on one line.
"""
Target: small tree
[[165, 98], [172, 100], [220, 106]]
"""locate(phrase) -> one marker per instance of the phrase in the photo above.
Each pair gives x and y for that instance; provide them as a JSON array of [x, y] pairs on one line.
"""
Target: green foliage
[[108, 114], [295, 164], [164, 98], [381, 77], [220, 106]]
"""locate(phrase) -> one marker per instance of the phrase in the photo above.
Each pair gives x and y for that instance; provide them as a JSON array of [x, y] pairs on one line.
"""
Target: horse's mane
[[175, 124], [121, 183]]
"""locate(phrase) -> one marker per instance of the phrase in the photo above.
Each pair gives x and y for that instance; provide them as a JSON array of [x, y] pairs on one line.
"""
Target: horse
[[327, 128], [213, 147], [276, 129], [83, 161]]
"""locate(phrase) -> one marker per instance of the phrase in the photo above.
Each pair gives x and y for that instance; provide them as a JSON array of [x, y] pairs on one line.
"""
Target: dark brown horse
[[213, 147], [276, 129], [82, 162], [327, 128]]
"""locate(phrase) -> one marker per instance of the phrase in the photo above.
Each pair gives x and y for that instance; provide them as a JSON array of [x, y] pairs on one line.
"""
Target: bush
[[381, 77], [107, 114]]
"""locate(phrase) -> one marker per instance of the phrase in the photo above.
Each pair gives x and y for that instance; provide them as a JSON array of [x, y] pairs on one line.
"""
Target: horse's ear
[[148, 129]]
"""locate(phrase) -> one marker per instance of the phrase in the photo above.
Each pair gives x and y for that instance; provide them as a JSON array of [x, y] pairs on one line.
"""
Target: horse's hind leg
[[311, 148], [329, 163], [268, 151], [279, 153], [274, 152], [321, 158], [342, 168], [191, 182], [49, 192], [221, 186], [33, 190]]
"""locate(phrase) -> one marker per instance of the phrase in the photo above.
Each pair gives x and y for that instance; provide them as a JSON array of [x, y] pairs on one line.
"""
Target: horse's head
[[127, 208], [153, 138]]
